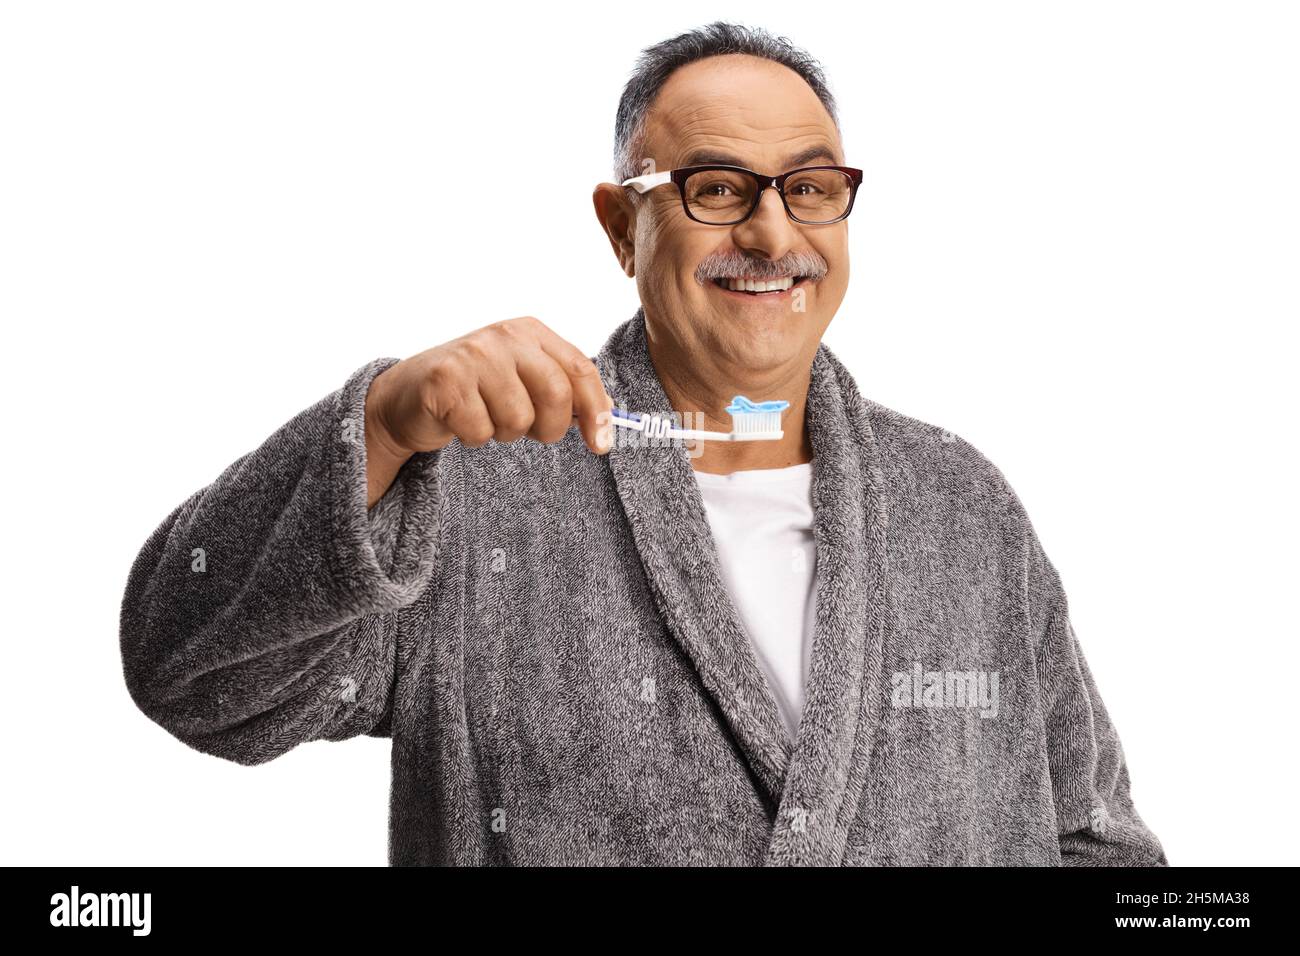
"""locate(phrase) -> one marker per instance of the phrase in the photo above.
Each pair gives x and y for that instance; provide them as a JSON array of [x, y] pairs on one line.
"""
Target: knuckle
[[516, 330], [476, 433], [515, 421], [580, 365], [476, 348], [440, 368], [443, 390], [554, 390]]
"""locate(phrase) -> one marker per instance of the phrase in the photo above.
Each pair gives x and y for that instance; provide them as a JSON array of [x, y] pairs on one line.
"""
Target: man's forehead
[[730, 156], [740, 110]]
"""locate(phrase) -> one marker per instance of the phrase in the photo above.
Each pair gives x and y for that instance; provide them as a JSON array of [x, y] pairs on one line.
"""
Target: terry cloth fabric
[[545, 636], [763, 530]]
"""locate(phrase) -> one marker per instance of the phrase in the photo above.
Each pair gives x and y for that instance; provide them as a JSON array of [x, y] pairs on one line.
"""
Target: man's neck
[[701, 405]]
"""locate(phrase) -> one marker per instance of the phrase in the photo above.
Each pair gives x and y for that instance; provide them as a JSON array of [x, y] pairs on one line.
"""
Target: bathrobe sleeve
[[1097, 822], [262, 612]]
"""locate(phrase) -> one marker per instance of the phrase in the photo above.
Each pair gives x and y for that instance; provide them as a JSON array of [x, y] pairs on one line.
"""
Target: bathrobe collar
[[813, 784]]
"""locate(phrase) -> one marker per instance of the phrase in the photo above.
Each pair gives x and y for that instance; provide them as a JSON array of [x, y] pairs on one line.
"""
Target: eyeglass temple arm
[[649, 181]]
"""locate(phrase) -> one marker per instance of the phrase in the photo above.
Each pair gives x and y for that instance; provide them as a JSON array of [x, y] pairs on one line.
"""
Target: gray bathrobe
[[546, 637]]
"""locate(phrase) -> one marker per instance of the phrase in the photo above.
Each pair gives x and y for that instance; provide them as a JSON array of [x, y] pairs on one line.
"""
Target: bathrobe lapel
[[844, 696], [670, 527], [813, 784]]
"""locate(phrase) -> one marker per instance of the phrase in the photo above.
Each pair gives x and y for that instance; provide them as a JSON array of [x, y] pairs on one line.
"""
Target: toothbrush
[[750, 421]]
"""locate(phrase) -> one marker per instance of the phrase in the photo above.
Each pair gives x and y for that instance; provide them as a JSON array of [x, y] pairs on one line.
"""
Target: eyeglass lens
[[722, 196]]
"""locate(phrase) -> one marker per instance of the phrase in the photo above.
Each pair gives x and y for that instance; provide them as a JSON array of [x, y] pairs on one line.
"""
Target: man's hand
[[504, 381]]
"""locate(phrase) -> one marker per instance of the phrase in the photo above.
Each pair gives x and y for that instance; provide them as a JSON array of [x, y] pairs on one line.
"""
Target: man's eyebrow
[[709, 157]]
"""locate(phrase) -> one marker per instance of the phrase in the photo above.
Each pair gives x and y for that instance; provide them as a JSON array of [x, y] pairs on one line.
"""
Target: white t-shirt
[[762, 524]]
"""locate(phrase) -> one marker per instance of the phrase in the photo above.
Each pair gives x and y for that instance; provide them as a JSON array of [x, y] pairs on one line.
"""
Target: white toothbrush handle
[[662, 428]]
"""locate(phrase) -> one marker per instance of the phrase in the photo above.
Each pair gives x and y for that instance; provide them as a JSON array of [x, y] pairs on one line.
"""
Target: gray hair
[[656, 63]]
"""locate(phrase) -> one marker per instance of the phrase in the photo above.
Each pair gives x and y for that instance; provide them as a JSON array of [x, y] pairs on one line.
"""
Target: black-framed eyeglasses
[[720, 195]]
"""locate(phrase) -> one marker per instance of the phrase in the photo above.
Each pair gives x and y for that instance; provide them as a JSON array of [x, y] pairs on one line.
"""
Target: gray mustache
[[808, 264]]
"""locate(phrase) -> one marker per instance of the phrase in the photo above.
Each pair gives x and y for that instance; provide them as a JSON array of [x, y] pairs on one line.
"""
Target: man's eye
[[714, 189], [803, 189]]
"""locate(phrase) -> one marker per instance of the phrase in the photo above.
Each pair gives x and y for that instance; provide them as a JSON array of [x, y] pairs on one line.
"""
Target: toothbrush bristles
[[765, 422]]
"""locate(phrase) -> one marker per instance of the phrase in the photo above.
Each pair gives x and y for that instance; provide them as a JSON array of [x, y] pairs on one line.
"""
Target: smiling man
[[842, 646], [735, 293]]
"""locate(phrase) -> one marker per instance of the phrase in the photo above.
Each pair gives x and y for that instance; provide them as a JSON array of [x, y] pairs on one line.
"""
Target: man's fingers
[[468, 419], [591, 403], [509, 403], [517, 378], [551, 392]]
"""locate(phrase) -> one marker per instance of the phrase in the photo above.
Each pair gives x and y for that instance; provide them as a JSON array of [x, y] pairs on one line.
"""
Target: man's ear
[[618, 219]]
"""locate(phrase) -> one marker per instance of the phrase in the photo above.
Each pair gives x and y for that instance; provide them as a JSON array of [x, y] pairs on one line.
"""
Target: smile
[[760, 287]]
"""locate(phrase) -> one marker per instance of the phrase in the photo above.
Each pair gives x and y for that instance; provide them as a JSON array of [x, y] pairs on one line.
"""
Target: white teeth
[[758, 285]]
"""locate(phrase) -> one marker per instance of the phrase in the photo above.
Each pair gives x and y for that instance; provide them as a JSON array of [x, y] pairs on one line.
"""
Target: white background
[[1076, 246]]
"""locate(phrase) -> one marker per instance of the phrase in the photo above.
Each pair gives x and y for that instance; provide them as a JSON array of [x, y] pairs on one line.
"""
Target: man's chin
[[759, 339]]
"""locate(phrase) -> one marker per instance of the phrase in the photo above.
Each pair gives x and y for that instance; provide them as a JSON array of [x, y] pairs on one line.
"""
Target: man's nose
[[768, 233]]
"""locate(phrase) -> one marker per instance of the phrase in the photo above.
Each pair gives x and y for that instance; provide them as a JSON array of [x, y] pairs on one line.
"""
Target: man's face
[[750, 112]]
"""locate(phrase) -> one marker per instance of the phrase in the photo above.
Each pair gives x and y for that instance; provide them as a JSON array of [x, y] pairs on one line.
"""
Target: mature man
[[845, 646]]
